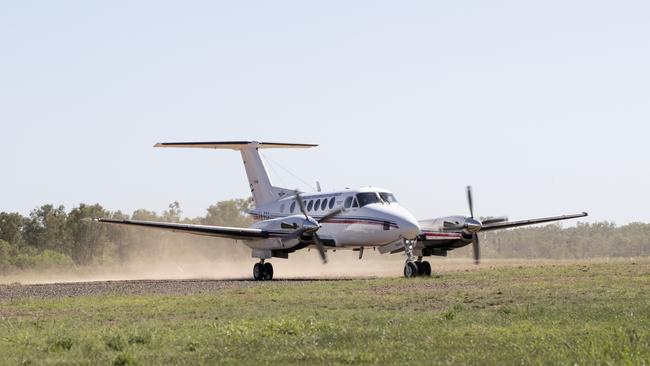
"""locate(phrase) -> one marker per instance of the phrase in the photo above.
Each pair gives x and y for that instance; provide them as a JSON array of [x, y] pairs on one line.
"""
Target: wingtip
[[158, 144]]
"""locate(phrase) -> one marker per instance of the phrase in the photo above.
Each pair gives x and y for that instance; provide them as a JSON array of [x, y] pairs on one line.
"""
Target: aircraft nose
[[408, 227]]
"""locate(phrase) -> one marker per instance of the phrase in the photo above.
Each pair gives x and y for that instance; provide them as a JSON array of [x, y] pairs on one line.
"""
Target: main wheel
[[410, 270], [425, 269], [258, 272], [268, 271]]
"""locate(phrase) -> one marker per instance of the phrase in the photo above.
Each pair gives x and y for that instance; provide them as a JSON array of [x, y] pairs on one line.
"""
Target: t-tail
[[260, 184]]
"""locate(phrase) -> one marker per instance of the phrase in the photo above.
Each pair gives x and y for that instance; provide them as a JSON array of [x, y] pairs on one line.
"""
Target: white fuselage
[[366, 221]]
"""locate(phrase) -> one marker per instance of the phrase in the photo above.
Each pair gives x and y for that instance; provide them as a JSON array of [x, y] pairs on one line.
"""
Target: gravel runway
[[135, 287]]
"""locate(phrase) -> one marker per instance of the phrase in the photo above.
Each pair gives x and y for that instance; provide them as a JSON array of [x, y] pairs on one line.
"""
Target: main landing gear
[[263, 271]]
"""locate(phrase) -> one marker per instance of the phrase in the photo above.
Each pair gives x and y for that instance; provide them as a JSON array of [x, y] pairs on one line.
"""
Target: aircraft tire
[[268, 271], [425, 269], [410, 270], [258, 272]]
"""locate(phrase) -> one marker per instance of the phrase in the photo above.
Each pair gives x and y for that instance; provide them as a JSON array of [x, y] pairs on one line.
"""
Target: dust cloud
[[171, 256]]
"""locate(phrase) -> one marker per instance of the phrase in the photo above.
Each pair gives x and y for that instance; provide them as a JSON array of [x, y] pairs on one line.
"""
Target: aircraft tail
[[260, 183]]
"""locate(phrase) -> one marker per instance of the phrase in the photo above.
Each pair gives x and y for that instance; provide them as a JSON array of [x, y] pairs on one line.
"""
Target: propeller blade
[[301, 204], [331, 214], [294, 235], [477, 250], [470, 201], [321, 249]]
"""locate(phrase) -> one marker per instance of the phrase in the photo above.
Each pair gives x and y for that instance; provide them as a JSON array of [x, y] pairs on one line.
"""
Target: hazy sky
[[544, 107]]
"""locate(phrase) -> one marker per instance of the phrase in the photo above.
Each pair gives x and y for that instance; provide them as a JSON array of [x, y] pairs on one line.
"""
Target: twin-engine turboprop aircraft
[[355, 219]]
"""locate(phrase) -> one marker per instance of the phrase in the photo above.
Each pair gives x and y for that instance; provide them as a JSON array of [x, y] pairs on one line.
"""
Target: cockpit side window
[[388, 197], [355, 203], [348, 202], [293, 207]]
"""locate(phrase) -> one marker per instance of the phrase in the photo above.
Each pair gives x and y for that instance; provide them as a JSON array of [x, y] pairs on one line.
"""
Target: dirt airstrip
[[16, 288]]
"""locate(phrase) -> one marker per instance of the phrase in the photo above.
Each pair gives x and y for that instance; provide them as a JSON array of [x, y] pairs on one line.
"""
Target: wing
[[511, 224], [205, 230]]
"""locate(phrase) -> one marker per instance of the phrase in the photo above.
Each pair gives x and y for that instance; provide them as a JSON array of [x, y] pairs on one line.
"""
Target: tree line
[[584, 240], [53, 236]]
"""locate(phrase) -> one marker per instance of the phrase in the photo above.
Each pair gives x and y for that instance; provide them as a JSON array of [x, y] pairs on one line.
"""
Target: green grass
[[584, 314]]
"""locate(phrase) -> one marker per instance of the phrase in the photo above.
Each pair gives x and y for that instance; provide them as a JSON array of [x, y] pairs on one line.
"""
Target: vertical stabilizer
[[258, 179]]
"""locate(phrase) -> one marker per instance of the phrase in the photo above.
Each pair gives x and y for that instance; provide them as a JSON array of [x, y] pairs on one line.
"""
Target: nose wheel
[[417, 268], [410, 270], [263, 271]]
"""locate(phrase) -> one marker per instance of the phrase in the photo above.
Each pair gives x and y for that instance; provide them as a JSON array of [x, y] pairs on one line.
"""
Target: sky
[[543, 107]]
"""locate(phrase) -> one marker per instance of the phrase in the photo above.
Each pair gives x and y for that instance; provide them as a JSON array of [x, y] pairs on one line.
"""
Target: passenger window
[[348, 202], [293, 206], [355, 203], [332, 201], [282, 208], [323, 206], [310, 205], [317, 205]]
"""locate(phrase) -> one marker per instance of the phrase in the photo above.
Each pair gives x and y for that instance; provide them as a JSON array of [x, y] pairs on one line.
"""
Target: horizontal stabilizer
[[234, 145]]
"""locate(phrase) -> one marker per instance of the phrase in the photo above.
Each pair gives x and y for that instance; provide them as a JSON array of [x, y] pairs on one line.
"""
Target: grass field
[[556, 314]]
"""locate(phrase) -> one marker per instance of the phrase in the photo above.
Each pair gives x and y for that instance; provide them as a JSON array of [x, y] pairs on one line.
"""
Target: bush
[[8, 253], [48, 259]]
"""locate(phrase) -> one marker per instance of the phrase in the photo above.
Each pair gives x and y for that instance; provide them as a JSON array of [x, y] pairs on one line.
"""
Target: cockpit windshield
[[368, 198], [388, 197]]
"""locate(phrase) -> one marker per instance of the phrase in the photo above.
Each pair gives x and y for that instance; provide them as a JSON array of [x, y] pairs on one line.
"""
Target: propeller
[[310, 226], [477, 249], [473, 226], [470, 201]]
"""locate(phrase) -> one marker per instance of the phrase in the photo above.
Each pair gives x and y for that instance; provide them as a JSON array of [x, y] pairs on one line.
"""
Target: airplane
[[369, 217]]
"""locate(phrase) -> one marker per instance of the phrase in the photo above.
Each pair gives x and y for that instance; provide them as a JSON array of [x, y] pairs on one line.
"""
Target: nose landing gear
[[414, 268], [417, 268], [263, 271], [424, 268], [410, 270]]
